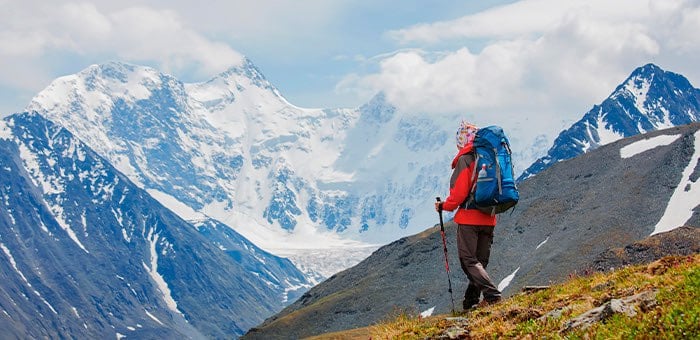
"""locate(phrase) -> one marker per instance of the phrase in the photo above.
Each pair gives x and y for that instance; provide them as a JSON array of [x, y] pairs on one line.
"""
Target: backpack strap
[[474, 172], [469, 202], [470, 196]]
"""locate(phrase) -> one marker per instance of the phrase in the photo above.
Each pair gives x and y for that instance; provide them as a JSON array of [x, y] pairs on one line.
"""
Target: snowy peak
[[93, 101], [240, 90], [637, 86], [657, 99], [377, 110], [121, 80], [230, 148], [250, 72], [649, 99], [122, 72]]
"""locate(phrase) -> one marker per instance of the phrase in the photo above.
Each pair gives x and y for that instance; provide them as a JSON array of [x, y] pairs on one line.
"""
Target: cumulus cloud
[[544, 61], [136, 33], [147, 34]]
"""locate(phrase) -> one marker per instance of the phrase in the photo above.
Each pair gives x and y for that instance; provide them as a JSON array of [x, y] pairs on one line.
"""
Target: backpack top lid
[[490, 136]]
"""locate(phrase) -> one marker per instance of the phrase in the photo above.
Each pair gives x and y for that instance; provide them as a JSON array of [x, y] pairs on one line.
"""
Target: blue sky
[[542, 60]]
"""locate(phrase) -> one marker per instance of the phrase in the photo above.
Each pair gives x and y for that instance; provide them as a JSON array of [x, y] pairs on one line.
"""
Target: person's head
[[465, 134]]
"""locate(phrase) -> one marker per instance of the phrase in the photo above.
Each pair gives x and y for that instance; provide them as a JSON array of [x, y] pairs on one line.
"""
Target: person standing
[[475, 228]]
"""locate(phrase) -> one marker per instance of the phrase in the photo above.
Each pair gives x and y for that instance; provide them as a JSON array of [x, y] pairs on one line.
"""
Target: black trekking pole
[[444, 248]]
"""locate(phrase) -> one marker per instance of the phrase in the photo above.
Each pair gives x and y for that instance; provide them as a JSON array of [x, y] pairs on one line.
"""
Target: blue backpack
[[493, 189]]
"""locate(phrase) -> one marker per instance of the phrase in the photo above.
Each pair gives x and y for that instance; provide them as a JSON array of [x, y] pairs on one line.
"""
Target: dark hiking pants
[[474, 249]]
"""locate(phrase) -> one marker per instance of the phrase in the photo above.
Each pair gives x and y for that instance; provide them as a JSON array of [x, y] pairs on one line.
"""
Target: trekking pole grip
[[440, 211]]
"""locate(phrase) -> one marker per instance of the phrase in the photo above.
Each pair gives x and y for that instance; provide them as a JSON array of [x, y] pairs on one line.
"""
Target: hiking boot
[[469, 304], [471, 297]]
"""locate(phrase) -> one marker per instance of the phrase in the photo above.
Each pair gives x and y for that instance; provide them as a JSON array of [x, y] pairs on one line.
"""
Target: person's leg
[[483, 252], [466, 248], [483, 244]]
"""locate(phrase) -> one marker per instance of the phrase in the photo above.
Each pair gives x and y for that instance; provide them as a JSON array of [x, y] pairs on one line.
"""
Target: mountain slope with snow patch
[[569, 213], [86, 253]]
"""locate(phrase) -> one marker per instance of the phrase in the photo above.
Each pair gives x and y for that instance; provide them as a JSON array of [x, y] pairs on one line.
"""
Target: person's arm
[[460, 183]]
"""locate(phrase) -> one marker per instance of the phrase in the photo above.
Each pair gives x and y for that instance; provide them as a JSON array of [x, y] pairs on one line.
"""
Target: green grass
[[675, 314]]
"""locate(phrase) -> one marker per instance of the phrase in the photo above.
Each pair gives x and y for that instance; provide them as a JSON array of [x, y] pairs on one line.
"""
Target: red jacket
[[460, 186]]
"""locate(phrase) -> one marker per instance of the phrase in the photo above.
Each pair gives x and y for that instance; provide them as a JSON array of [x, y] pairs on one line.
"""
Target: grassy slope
[[674, 315]]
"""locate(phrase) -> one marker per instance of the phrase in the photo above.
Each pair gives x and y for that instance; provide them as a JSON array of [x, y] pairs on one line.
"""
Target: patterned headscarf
[[465, 133]]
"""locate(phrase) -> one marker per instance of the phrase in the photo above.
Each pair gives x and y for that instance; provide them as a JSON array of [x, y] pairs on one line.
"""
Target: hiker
[[475, 228]]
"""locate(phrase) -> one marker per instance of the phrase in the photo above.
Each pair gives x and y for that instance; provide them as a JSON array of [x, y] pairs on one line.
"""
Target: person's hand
[[438, 206]]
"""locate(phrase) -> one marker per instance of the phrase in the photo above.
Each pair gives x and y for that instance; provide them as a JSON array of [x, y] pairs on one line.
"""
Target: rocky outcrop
[[681, 241], [628, 306]]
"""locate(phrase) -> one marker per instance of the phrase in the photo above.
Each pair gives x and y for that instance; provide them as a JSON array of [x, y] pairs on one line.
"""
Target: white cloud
[[545, 62], [137, 33], [147, 34], [83, 22], [684, 26], [41, 40], [524, 17]]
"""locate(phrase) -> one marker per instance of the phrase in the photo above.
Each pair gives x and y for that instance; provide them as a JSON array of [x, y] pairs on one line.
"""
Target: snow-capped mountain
[[86, 253], [649, 99], [294, 181]]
